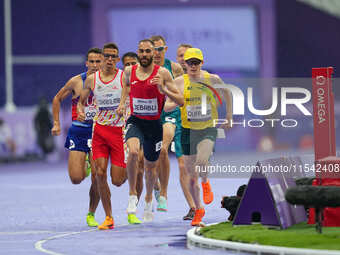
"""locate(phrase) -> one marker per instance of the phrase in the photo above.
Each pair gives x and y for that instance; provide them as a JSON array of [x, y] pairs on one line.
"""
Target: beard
[[149, 62]]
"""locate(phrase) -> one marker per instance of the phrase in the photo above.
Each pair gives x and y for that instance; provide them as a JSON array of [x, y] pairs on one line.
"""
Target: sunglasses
[[159, 49], [94, 61], [146, 51], [193, 62], [130, 64], [110, 55]]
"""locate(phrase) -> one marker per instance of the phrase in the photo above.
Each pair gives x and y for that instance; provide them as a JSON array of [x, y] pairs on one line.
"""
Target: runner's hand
[[157, 80], [81, 116], [55, 129], [121, 110]]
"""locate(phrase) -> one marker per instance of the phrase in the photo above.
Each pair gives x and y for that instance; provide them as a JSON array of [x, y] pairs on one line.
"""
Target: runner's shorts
[[174, 117], [149, 133], [107, 141], [191, 138], [79, 138]]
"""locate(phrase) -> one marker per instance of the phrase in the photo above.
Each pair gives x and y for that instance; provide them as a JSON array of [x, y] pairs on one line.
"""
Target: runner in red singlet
[[148, 84]]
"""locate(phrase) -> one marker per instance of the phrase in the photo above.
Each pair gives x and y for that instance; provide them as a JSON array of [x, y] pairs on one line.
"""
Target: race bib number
[[109, 101], [146, 107], [194, 113], [90, 112]]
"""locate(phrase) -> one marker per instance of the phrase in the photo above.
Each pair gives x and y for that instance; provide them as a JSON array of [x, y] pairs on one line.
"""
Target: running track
[[41, 212]]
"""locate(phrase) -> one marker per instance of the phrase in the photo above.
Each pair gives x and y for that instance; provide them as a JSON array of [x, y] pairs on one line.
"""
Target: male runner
[[78, 140], [198, 130], [131, 59], [184, 176], [147, 85], [107, 140], [171, 122]]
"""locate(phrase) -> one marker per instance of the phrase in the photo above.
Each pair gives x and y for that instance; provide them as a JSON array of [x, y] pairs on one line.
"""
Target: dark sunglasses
[[159, 49], [94, 61], [193, 62], [130, 64], [146, 51], [110, 55]]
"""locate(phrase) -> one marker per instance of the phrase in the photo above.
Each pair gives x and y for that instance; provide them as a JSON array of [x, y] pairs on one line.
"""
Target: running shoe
[[157, 194], [190, 214], [87, 165], [162, 204], [148, 215], [197, 220], [132, 204], [91, 222], [208, 196], [132, 219], [107, 224]]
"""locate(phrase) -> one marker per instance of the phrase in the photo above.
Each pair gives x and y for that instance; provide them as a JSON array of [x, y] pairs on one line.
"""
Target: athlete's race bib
[[194, 113], [109, 101], [144, 107], [90, 112]]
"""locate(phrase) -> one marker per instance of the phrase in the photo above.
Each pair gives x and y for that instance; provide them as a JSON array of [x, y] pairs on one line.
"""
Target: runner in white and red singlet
[[148, 84], [107, 140]]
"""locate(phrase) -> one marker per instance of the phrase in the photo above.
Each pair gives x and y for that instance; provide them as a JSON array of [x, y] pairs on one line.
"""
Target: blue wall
[[45, 28], [306, 38]]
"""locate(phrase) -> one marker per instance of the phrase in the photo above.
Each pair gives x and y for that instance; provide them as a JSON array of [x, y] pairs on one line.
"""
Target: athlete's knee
[[150, 172], [164, 152], [76, 179], [101, 174], [93, 177], [133, 154], [118, 181], [202, 162], [181, 167]]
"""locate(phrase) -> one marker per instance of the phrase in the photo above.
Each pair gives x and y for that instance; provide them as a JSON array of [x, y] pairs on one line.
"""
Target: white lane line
[[39, 245]]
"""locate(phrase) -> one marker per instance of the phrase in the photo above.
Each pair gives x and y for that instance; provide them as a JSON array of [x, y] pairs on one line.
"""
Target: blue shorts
[[79, 138], [174, 118]]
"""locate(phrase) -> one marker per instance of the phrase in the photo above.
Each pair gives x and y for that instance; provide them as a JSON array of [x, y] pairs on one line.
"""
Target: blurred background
[[249, 43]]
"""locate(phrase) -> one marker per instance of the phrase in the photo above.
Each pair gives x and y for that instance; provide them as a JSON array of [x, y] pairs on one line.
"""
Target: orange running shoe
[[107, 224], [208, 196], [197, 220]]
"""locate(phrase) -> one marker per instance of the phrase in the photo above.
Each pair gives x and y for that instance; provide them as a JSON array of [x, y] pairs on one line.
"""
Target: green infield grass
[[300, 235]]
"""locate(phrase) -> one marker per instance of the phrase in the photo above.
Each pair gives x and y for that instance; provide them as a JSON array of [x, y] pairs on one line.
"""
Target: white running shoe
[[132, 204], [148, 214]]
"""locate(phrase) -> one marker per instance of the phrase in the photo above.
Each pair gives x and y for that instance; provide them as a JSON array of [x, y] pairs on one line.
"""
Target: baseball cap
[[193, 53]]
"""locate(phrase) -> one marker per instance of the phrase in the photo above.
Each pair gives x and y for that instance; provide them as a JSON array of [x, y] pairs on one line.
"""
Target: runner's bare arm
[[167, 86], [89, 85], [125, 91], [227, 97], [170, 105], [58, 98], [177, 70]]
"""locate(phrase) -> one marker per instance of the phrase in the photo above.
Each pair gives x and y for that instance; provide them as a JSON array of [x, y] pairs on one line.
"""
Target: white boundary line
[[39, 245], [199, 241]]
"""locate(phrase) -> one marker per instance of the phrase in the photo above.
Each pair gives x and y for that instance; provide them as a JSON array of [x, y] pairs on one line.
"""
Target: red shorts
[[108, 141]]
